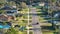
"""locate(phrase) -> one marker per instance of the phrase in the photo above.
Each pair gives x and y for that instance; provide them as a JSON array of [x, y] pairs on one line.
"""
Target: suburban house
[[3, 18], [9, 10], [6, 18]]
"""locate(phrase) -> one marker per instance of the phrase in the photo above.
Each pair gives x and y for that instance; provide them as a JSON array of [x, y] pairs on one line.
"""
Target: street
[[36, 28]]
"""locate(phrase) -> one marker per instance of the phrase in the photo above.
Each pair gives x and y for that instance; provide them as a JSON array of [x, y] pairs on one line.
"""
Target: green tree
[[1, 4], [53, 0], [19, 4], [12, 31], [2, 11]]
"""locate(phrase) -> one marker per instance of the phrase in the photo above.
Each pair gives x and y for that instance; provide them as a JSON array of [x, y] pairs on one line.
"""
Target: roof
[[6, 18], [8, 8], [3, 18]]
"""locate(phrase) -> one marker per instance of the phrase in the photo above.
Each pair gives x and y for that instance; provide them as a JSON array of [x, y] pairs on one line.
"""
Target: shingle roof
[[8, 8], [6, 18]]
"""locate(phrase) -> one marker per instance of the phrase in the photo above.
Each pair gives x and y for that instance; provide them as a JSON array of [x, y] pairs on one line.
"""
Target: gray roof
[[8, 8]]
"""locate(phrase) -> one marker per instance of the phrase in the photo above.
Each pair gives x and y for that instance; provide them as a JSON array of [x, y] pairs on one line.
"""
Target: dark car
[[35, 23]]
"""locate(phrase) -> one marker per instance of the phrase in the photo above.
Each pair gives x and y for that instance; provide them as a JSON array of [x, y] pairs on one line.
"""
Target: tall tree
[[12, 31]]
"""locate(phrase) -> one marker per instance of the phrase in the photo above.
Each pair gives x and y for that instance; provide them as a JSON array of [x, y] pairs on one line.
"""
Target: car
[[35, 23]]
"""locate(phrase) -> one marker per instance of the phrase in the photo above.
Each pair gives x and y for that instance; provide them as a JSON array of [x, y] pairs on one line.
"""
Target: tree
[[53, 0], [1, 4], [2, 11], [23, 5], [12, 31], [19, 4]]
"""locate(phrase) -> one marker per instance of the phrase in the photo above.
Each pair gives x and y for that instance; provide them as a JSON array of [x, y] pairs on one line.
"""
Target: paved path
[[36, 28]]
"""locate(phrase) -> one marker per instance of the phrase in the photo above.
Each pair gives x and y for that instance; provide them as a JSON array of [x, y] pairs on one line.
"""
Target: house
[[6, 18], [9, 10], [3, 18], [10, 17]]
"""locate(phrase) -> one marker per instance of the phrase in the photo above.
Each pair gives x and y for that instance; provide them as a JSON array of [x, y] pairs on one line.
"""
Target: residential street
[[35, 23]]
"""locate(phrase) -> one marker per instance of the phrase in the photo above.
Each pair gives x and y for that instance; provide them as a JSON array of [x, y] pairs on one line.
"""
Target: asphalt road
[[35, 22]]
